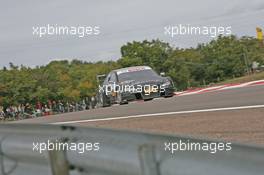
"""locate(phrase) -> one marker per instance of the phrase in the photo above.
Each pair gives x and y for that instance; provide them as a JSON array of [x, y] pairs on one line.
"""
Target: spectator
[[61, 107], [46, 110], [2, 113], [39, 109]]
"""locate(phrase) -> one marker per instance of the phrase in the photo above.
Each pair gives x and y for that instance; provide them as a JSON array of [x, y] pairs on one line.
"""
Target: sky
[[120, 21]]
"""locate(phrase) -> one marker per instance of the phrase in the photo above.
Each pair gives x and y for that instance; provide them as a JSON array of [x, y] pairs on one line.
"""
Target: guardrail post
[[147, 157], [58, 162]]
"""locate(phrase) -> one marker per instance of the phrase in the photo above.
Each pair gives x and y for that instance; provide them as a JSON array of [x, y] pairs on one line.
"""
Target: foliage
[[223, 58]]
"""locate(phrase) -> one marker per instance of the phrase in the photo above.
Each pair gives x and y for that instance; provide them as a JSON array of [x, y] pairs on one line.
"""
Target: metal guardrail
[[121, 153]]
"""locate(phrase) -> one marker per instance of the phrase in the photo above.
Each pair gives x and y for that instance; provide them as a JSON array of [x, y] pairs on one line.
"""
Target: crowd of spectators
[[39, 109]]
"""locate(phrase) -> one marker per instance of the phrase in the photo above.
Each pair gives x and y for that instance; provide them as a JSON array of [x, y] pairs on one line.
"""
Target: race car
[[133, 83]]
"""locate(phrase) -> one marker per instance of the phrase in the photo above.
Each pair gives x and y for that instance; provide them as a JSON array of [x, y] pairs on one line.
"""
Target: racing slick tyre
[[103, 100], [120, 100]]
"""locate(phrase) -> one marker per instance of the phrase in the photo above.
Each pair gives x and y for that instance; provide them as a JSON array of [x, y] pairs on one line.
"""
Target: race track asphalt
[[246, 96]]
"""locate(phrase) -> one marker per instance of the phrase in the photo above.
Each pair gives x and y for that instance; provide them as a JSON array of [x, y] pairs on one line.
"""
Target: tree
[[223, 58], [152, 53]]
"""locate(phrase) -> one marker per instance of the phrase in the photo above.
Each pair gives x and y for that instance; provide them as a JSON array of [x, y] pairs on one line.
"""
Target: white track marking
[[202, 90], [161, 114], [220, 88], [242, 85]]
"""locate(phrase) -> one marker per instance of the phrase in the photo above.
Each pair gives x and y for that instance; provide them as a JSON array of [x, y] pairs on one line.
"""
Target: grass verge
[[244, 79]]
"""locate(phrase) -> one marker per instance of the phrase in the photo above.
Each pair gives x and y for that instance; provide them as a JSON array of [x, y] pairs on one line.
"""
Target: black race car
[[131, 83]]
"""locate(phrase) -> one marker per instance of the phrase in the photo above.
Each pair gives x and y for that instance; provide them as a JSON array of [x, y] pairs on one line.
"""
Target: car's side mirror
[[162, 74]]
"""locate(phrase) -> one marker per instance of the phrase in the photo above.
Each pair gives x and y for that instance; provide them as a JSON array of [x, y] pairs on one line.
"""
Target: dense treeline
[[223, 58], [59, 80]]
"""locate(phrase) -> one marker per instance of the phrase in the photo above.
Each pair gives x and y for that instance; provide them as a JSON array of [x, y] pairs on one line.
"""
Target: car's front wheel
[[120, 100], [103, 100]]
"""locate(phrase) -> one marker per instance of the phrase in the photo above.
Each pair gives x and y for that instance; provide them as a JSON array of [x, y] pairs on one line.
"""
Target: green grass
[[244, 79]]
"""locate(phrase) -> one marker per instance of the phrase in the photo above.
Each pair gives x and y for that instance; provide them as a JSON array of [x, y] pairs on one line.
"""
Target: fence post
[[148, 163], [58, 162]]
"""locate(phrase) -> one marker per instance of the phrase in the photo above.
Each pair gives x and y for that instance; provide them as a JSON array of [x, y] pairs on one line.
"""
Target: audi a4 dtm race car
[[133, 83]]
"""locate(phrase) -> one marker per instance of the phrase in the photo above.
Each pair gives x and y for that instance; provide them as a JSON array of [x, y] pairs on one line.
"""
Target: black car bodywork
[[132, 83]]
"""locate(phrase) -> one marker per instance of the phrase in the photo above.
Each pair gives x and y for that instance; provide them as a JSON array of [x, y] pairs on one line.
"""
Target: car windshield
[[138, 75]]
